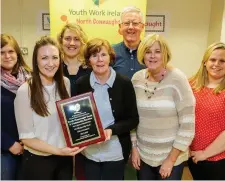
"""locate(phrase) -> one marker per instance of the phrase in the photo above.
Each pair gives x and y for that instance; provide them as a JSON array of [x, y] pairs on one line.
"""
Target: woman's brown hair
[[37, 101], [10, 40], [94, 46]]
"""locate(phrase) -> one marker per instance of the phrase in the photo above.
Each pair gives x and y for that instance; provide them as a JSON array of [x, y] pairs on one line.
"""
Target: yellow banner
[[98, 18]]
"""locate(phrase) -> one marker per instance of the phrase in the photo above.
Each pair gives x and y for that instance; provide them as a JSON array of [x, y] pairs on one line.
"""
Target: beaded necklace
[[151, 93]]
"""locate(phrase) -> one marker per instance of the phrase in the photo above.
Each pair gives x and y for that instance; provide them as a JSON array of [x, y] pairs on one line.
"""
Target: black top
[[81, 72], [124, 108], [9, 132]]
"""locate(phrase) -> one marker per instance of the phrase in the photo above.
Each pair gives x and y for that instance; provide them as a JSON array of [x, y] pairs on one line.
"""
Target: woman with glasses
[[166, 108], [72, 40], [116, 103]]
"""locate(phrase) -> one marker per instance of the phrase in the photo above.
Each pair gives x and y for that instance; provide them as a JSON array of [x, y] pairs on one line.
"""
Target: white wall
[[189, 22], [222, 38], [188, 30], [216, 18], [20, 18]]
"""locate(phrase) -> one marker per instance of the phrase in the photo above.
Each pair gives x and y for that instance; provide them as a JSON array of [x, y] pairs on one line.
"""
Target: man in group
[[131, 26], [126, 63]]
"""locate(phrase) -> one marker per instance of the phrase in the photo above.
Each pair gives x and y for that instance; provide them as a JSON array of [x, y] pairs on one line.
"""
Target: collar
[[129, 50], [109, 82]]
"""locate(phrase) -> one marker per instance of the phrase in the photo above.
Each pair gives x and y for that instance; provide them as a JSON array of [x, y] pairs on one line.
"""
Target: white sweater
[[166, 119]]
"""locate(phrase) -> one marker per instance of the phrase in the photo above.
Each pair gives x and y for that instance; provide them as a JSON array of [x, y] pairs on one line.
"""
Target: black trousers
[[79, 166], [148, 172], [207, 170], [113, 170], [35, 167]]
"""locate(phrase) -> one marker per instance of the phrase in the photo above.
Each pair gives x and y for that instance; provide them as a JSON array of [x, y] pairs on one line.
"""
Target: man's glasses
[[131, 22]]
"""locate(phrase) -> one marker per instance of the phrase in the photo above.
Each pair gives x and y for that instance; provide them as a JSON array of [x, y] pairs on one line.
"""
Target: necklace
[[151, 93]]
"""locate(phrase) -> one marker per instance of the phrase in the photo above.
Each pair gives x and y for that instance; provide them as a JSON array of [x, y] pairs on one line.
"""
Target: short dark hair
[[94, 46]]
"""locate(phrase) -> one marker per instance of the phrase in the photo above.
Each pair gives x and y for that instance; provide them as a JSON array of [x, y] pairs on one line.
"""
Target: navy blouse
[[81, 72]]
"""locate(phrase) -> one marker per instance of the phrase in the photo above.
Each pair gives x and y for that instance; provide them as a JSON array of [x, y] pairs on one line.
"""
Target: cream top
[[32, 125], [166, 119]]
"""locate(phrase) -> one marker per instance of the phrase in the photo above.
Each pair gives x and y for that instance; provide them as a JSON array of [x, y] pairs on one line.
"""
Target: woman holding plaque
[[14, 72], [116, 103], [72, 40], [46, 155]]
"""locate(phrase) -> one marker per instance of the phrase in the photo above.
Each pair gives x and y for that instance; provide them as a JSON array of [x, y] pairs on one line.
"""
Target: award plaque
[[80, 120]]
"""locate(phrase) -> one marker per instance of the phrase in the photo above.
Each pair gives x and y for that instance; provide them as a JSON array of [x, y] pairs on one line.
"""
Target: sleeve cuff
[[133, 135], [7, 141], [8, 144], [180, 146]]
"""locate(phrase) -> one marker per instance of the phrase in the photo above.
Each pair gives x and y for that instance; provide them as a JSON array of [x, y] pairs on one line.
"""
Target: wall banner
[[98, 18]]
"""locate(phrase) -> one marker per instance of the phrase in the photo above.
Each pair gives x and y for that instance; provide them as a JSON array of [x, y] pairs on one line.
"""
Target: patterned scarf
[[12, 83]]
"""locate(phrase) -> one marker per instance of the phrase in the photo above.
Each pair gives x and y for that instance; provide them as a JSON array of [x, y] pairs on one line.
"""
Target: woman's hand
[[16, 148], [108, 134], [198, 156], [70, 151], [135, 157], [166, 168]]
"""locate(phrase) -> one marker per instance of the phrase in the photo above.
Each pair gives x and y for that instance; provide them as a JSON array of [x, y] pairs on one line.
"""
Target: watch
[[134, 144]]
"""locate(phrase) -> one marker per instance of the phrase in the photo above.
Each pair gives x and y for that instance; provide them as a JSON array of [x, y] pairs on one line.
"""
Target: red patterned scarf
[[12, 83]]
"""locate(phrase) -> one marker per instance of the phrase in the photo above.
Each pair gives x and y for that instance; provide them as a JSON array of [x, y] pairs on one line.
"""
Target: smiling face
[[153, 58], [71, 44], [48, 61], [100, 62], [215, 65], [131, 27], [8, 57]]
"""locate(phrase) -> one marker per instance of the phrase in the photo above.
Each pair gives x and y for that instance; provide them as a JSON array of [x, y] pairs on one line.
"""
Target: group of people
[[151, 113]]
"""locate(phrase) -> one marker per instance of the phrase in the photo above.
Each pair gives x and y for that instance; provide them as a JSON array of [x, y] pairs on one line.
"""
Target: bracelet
[[134, 144]]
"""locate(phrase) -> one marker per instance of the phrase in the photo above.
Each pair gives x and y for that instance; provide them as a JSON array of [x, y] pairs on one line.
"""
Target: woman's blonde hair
[[80, 34], [200, 79], [148, 42]]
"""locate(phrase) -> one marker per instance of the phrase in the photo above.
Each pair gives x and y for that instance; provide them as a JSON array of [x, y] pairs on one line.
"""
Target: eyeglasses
[[135, 24]]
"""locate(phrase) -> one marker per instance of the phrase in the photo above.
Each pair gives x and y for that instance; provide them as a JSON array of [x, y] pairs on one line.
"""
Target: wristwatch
[[134, 144]]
